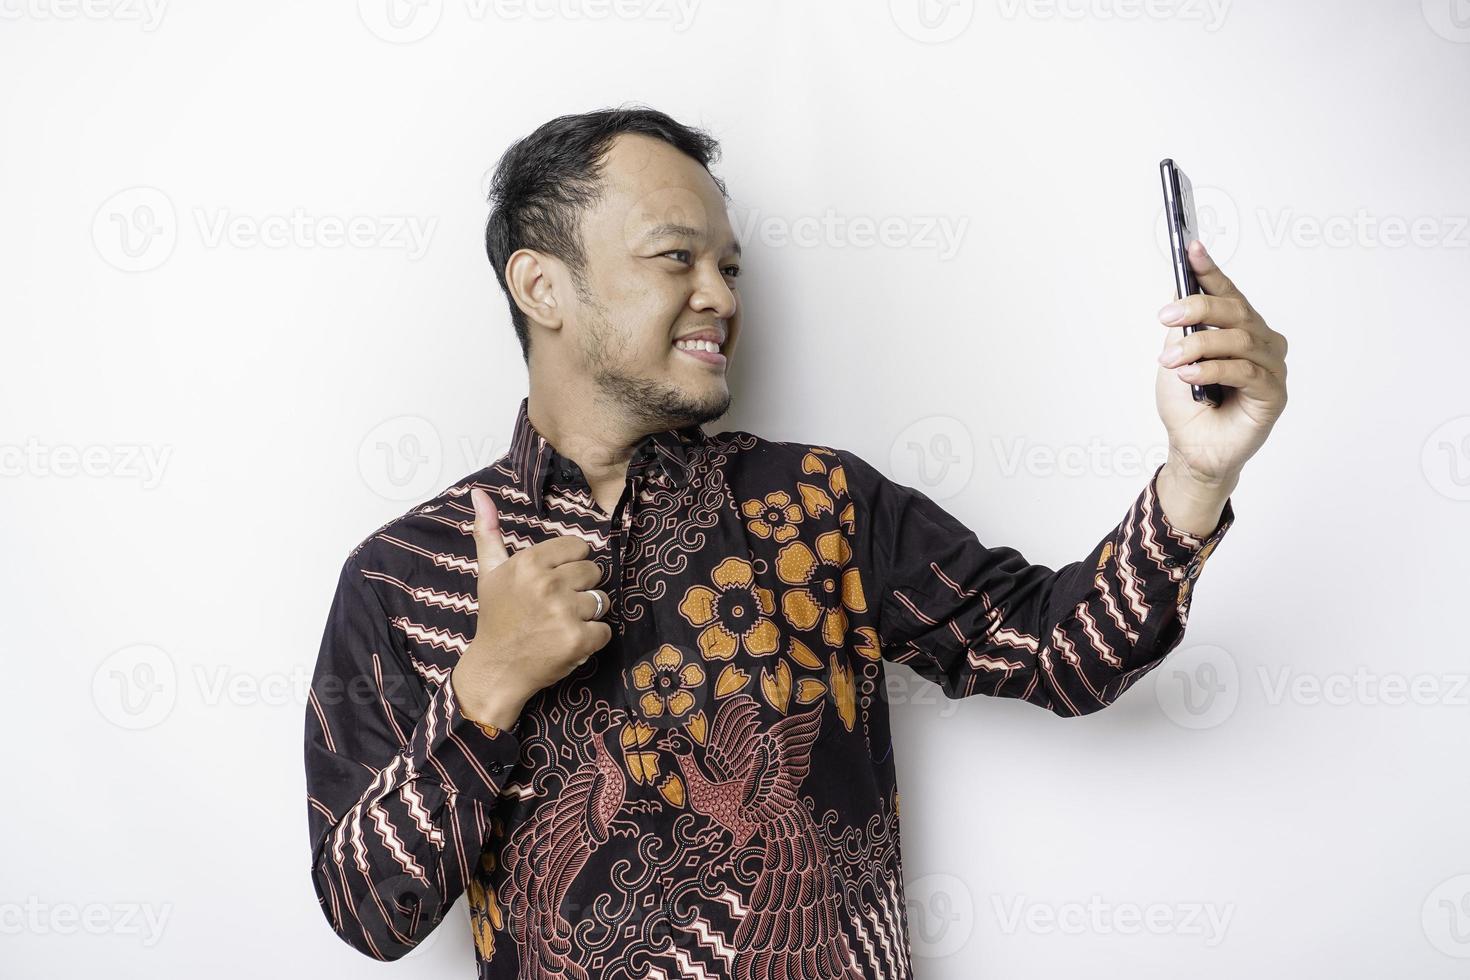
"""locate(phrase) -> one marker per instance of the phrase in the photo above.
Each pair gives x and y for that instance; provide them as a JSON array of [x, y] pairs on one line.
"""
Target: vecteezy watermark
[[1445, 458], [1450, 19], [400, 21], [139, 686], [121, 461], [300, 229], [679, 14], [387, 898], [1098, 917], [39, 918], [147, 14], [137, 230], [1363, 687], [1218, 219], [407, 21], [905, 688], [404, 457], [934, 454], [941, 915], [1446, 917], [932, 21], [1096, 458], [1208, 13], [1363, 229], [136, 687], [1220, 227], [220, 684], [941, 234], [1198, 687]]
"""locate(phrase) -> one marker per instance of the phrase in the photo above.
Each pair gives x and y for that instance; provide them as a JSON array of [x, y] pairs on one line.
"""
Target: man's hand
[[535, 621], [1209, 446]]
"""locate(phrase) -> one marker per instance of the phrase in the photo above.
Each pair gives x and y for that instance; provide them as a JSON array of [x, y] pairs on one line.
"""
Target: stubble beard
[[652, 403]]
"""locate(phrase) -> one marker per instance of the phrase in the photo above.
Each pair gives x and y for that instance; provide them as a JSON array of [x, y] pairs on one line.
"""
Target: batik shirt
[[712, 794]]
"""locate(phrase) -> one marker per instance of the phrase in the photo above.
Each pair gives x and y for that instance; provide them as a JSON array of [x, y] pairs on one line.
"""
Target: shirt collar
[[534, 459]]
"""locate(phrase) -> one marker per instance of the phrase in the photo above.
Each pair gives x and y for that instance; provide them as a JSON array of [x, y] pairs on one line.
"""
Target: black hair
[[545, 181]]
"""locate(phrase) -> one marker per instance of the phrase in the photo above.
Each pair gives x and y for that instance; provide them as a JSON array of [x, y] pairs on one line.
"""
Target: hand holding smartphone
[[1183, 223]]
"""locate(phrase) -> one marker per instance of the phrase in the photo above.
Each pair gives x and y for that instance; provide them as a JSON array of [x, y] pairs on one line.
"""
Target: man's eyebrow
[[671, 230]]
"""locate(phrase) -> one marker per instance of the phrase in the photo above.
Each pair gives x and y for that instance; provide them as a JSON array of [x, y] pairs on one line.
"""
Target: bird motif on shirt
[[791, 928], [544, 857]]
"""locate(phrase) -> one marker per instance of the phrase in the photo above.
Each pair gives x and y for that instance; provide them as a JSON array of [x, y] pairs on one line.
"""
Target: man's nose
[[714, 296]]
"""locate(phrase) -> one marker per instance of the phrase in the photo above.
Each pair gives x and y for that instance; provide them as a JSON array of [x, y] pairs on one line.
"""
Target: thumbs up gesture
[[539, 618]]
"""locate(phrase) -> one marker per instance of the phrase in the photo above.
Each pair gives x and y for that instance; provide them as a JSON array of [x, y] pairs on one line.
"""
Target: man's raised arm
[[983, 620]]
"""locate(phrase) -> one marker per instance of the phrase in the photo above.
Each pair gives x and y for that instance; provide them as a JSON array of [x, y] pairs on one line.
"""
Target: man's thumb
[[489, 545]]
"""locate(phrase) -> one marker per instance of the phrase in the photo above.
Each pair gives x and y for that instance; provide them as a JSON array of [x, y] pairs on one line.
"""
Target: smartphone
[[1183, 223]]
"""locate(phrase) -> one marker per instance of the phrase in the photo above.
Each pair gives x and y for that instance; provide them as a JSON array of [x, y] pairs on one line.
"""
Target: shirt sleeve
[[979, 619], [400, 784]]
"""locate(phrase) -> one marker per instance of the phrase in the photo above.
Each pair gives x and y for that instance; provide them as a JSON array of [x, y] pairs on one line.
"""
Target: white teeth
[[708, 345]]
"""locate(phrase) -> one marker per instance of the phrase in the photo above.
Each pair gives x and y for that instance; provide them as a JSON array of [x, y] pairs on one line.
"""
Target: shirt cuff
[[467, 756], [1181, 553]]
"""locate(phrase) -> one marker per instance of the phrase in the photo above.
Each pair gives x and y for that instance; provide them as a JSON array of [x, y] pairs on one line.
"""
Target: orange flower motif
[[735, 613], [666, 682], [776, 517], [829, 589]]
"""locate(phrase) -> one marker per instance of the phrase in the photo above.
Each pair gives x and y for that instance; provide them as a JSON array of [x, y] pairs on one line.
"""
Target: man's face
[[661, 266]]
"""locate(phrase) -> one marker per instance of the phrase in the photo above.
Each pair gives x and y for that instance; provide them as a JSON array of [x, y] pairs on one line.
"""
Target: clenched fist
[[537, 620]]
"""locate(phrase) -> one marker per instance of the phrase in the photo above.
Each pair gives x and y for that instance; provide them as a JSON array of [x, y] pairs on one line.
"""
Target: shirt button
[[1171, 562]]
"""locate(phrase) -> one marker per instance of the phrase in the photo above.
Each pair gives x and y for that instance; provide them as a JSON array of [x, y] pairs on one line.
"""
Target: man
[[624, 687]]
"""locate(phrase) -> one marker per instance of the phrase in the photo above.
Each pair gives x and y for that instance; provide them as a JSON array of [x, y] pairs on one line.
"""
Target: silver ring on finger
[[601, 603]]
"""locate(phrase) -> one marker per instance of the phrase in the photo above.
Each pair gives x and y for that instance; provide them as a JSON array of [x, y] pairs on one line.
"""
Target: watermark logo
[[932, 21], [407, 21], [1198, 687], [941, 915], [400, 21], [122, 461], [1206, 921], [1096, 458], [1450, 19], [386, 900], [136, 687], [1446, 917], [1363, 229], [135, 230], [1219, 223], [1445, 459], [1210, 14], [143, 920], [402, 458], [1364, 688], [907, 688], [147, 14], [942, 234], [934, 454], [139, 687], [301, 229]]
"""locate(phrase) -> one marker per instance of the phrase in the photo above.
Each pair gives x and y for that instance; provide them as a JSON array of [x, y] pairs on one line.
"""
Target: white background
[[1285, 797]]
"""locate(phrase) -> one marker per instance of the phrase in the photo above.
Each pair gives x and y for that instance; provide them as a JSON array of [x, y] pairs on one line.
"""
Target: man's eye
[[686, 257]]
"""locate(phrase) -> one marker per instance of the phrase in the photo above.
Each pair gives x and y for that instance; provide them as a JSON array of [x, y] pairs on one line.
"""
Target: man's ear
[[533, 278]]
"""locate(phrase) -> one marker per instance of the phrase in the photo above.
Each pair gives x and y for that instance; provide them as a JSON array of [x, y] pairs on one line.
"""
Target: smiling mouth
[[707, 346], [707, 352]]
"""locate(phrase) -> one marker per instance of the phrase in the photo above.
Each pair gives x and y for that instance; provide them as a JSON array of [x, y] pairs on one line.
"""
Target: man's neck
[[598, 437]]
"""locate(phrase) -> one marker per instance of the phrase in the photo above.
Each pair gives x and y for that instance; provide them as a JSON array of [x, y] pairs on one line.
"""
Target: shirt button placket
[[619, 529]]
